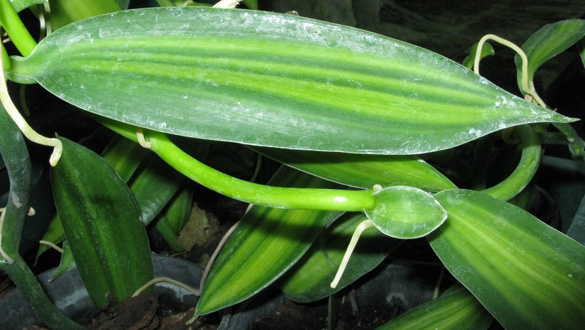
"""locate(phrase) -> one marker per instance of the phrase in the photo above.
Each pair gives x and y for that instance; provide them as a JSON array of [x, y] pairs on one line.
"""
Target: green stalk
[[16, 30], [17, 161], [41, 305], [524, 172], [279, 197]]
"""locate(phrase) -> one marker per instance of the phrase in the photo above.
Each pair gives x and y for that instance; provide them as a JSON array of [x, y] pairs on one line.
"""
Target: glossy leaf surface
[[406, 212], [266, 243], [269, 79], [363, 171], [527, 274], [457, 308], [310, 278], [101, 220]]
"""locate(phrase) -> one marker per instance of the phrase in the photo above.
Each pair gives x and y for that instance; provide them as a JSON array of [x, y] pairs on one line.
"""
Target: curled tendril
[[144, 143], [527, 86], [21, 122]]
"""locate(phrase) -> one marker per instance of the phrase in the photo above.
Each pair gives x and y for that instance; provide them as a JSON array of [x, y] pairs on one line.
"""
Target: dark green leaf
[[124, 156], [269, 79], [172, 220], [153, 185], [18, 165], [67, 262], [527, 274], [102, 224]]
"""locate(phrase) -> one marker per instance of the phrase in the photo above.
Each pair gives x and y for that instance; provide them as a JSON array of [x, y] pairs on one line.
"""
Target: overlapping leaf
[[101, 221], [270, 80], [527, 274], [266, 243], [363, 171]]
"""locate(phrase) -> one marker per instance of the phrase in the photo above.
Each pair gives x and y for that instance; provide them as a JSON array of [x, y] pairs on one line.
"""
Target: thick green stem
[[279, 197], [34, 294], [16, 29], [524, 172], [17, 161]]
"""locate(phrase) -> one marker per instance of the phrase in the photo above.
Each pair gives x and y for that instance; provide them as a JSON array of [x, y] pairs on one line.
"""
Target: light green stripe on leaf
[[457, 308], [527, 274], [266, 243], [272, 80]]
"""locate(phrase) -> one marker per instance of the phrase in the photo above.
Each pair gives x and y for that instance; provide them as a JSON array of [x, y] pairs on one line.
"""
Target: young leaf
[[527, 274], [272, 80], [486, 50], [266, 243], [102, 224], [406, 212]]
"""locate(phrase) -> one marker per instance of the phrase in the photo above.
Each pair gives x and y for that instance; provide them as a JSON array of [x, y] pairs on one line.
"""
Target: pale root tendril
[[21, 122], [527, 86], [227, 4], [168, 280], [352, 243]]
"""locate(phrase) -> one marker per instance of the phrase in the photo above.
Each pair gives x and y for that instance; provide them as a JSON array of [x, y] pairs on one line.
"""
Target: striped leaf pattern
[[527, 274], [272, 80]]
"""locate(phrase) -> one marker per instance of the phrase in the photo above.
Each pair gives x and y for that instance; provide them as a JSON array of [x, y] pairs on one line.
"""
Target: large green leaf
[[102, 224], [310, 278], [455, 309], [266, 243], [269, 79], [527, 274], [363, 171]]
